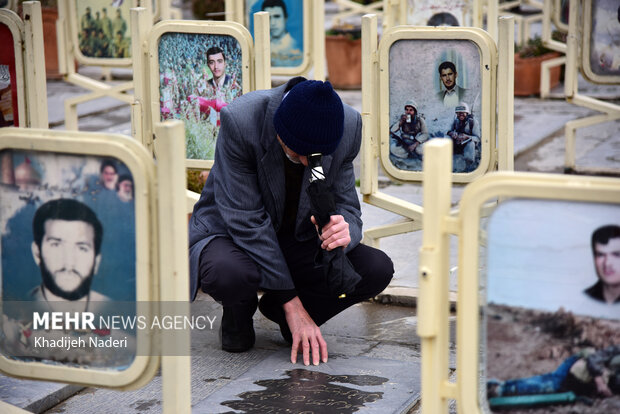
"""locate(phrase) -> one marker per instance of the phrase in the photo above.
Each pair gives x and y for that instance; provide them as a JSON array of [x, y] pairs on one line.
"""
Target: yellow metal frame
[[7, 408], [491, 187], [488, 71], [523, 23], [65, 39], [502, 157], [34, 58], [309, 11], [586, 32], [433, 273], [161, 9], [395, 13], [12, 21], [557, 16], [487, 10], [11, 5], [141, 165], [308, 20], [234, 11], [236, 30], [550, 10], [610, 111], [29, 64], [174, 266], [314, 40], [145, 109], [350, 8], [77, 54]]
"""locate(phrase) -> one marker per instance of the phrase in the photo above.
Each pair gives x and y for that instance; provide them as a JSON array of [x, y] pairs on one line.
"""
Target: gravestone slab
[[35, 396], [342, 385]]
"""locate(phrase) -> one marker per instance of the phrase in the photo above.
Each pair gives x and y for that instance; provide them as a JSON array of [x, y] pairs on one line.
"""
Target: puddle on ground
[[308, 392]]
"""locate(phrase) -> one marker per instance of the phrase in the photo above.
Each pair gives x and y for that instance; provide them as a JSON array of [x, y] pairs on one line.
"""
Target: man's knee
[[398, 151], [381, 269], [227, 279], [374, 265]]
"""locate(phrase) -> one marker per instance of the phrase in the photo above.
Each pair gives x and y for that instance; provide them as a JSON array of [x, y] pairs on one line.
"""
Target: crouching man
[[252, 229]]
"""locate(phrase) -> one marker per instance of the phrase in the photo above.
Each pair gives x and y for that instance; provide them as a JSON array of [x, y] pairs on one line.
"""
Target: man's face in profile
[[217, 65], [448, 77], [67, 257], [607, 261], [109, 177], [277, 22]]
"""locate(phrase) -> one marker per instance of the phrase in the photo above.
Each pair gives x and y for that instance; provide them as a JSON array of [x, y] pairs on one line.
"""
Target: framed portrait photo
[[12, 83], [440, 12], [436, 83], [601, 41], [289, 33], [101, 32], [539, 275], [200, 69], [75, 242]]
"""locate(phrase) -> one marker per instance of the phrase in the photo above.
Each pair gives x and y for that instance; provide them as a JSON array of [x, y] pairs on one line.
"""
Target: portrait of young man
[[67, 237], [451, 93], [606, 255], [285, 30], [66, 246], [221, 86], [199, 74]]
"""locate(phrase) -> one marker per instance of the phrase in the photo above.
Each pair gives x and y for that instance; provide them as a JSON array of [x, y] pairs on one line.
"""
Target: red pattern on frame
[[7, 57]]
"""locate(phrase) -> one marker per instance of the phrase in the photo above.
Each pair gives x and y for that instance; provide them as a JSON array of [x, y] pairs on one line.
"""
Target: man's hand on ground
[[306, 334], [335, 233]]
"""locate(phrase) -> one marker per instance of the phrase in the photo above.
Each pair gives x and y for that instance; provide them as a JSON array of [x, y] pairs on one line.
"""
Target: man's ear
[[97, 262], [36, 253]]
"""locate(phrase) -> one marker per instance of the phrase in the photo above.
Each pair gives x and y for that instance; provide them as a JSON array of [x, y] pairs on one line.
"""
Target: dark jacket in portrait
[[244, 196], [596, 292]]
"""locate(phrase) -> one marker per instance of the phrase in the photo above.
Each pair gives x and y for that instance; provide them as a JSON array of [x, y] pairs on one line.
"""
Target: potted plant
[[343, 52], [528, 60]]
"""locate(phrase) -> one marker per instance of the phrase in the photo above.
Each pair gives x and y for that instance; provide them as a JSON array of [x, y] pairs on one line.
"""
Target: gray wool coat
[[243, 198]]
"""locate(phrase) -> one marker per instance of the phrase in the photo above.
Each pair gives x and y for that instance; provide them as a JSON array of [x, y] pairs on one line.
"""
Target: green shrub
[[533, 48]]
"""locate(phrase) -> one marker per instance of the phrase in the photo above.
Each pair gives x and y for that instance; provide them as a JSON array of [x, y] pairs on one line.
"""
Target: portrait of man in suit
[[451, 93], [606, 255]]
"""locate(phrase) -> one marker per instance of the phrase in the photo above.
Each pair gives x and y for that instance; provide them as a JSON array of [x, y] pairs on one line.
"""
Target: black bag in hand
[[338, 270]]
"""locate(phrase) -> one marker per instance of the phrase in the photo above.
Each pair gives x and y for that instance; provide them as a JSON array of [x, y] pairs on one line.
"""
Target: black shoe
[[237, 327], [274, 312]]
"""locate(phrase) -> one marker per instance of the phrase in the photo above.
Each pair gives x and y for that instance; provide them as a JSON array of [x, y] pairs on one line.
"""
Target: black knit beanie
[[311, 118]]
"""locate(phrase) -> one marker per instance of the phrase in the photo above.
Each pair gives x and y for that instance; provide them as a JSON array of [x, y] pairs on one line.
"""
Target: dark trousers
[[230, 276]]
